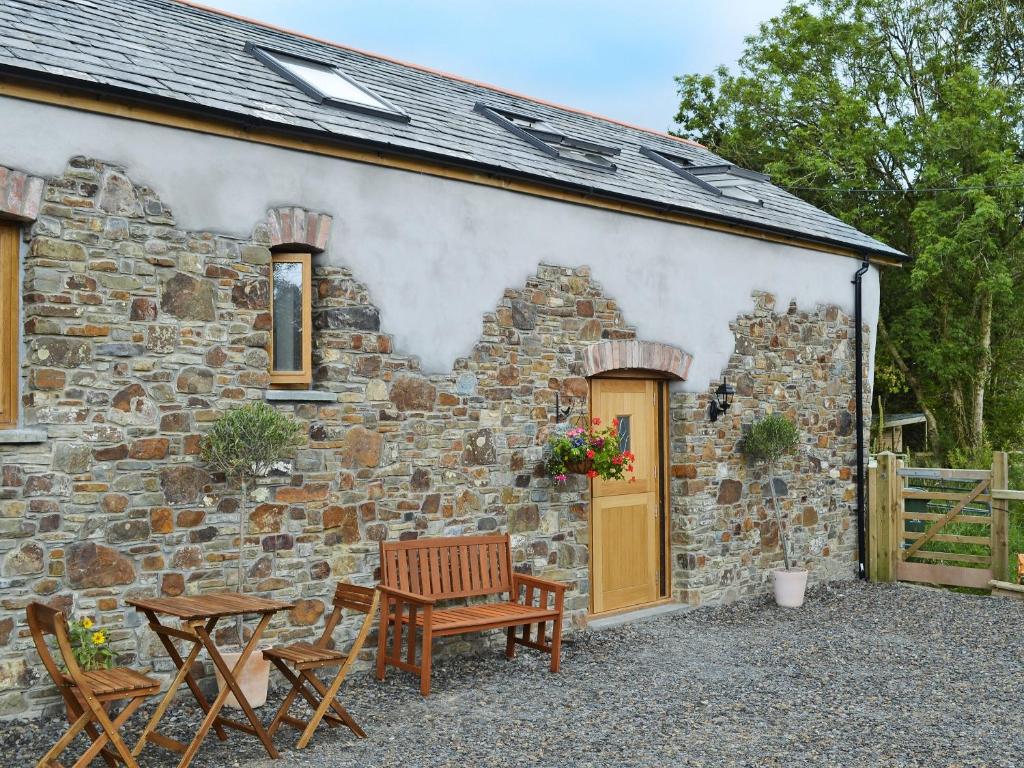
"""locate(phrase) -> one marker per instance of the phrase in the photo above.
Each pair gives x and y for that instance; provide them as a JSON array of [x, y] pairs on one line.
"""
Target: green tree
[[244, 444], [766, 442], [904, 118]]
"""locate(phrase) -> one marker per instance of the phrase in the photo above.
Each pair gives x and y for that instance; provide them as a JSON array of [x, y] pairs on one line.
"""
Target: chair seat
[[120, 682], [483, 616], [305, 653]]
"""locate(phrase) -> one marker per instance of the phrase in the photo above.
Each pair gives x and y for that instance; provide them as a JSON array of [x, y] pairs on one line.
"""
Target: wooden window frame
[[305, 376], [10, 322]]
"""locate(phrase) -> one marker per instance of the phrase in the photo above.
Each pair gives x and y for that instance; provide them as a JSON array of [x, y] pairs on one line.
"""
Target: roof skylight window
[[722, 179], [549, 139], [326, 84]]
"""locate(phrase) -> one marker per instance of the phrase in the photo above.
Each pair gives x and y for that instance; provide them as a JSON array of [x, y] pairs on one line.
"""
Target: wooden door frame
[[664, 507]]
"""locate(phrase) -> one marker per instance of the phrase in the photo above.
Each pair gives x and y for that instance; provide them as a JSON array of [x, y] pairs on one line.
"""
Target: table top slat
[[209, 606]]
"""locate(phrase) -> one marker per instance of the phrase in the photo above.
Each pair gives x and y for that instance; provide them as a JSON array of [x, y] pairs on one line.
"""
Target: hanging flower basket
[[592, 451]]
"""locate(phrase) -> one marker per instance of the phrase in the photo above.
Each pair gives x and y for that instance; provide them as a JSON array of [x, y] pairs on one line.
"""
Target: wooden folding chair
[[95, 689], [305, 658]]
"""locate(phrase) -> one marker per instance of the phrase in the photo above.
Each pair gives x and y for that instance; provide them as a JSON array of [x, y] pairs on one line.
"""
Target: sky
[[617, 58]]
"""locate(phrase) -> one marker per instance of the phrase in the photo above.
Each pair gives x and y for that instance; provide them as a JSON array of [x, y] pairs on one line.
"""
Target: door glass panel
[[287, 316], [624, 433]]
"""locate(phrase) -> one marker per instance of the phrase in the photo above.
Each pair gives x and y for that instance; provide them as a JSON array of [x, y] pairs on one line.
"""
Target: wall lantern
[[723, 399]]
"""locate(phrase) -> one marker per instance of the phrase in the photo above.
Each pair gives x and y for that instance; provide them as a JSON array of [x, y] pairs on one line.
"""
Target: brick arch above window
[[20, 195], [293, 227], [625, 354]]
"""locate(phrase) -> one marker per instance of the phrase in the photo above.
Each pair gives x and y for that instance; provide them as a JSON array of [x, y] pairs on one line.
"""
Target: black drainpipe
[[859, 373]]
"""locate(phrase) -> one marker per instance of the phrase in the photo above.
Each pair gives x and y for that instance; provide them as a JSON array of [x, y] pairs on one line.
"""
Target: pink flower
[[561, 478], [597, 421]]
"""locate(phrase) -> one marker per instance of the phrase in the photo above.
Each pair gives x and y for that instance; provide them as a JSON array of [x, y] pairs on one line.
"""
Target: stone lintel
[[20, 194], [627, 354], [294, 227]]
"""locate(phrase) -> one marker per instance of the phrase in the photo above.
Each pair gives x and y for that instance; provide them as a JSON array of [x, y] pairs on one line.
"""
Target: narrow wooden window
[[291, 308], [10, 359]]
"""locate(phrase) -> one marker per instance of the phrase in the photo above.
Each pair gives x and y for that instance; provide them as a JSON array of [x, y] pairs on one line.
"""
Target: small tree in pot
[[766, 442], [244, 444]]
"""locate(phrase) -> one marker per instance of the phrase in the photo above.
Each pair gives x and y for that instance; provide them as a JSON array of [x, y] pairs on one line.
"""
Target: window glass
[[625, 433], [328, 81], [288, 330]]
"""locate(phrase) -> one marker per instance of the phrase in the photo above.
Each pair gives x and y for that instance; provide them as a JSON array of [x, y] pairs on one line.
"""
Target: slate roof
[[176, 54]]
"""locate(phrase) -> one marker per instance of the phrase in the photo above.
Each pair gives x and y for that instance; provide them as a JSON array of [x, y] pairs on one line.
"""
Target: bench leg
[[382, 637], [510, 643], [426, 656], [556, 643]]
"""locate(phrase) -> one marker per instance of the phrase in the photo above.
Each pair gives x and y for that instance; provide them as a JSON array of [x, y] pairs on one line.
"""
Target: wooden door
[[625, 529]]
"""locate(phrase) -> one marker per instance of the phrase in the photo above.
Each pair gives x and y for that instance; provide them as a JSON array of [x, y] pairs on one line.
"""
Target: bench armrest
[[533, 581], [404, 596], [544, 586]]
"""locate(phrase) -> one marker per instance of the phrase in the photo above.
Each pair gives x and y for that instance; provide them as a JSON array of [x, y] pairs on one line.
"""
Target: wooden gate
[[939, 526]]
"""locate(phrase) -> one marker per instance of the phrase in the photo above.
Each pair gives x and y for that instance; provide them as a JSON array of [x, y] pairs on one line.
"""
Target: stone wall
[[137, 334]]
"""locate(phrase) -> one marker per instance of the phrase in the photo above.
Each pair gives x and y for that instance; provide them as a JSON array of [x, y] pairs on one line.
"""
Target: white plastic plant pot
[[790, 586], [253, 678]]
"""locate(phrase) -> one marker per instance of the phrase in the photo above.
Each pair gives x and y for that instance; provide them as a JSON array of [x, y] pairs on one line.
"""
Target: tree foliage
[[244, 443], [905, 119]]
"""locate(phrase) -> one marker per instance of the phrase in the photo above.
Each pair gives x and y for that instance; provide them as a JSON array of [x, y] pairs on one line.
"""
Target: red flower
[[615, 422], [617, 460], [632, 479], [630, 469], [596, 421], [590, 454], [591, 474]]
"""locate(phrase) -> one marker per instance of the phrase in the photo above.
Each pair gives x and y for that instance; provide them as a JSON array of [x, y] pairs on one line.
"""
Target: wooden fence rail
[[901, 539]]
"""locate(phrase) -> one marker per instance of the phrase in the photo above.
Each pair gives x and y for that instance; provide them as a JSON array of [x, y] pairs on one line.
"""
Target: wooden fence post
[[1000, 517], [885, 518]]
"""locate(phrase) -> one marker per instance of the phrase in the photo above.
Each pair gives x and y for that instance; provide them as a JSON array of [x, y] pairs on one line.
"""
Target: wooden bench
[[416, 575]]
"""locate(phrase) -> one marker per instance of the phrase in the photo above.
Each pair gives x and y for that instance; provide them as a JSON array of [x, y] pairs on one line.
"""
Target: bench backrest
[[448, 566]]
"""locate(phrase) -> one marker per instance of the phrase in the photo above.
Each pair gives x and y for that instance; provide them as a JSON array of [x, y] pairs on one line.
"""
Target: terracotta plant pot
[[789, 586], [581, 467], [253, 679]]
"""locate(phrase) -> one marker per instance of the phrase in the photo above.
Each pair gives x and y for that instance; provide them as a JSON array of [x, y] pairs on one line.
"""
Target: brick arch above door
[[620, 354]]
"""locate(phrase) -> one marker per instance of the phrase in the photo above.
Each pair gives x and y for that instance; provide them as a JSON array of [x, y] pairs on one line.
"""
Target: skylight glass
[[326, 83], [550, 140], [723, 179]]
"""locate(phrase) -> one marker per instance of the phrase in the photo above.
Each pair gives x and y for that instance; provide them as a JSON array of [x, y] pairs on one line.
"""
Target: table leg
[[230, 685], [184, 674], [197, 693]]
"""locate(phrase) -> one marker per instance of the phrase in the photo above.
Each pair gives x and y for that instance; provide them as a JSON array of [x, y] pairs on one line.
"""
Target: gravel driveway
[[864, 675]]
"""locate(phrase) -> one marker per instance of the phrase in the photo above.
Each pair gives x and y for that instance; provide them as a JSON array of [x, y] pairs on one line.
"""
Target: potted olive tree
[[765, 443], [244, 444]]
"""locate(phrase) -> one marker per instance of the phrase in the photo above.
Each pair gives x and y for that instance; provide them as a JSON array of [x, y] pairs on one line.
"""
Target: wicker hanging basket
[[579, 467]]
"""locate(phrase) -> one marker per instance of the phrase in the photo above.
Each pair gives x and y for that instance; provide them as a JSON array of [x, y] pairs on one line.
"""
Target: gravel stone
[[864, 675]]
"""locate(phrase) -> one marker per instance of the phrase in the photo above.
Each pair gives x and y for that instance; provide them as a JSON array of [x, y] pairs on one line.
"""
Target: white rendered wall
[[437, 254]]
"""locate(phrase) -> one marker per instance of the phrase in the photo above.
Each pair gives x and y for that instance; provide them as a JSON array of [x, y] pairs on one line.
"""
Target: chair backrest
[[43, 622], [448, 567], [355, 598]]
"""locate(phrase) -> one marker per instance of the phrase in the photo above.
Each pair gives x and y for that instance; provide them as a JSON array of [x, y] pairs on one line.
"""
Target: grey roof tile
[[176, 52]]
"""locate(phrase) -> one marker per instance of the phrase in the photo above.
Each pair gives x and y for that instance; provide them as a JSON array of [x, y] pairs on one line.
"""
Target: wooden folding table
[[199, 615]]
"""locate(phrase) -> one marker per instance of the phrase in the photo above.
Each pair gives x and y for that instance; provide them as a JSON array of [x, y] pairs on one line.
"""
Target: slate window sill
[[22, 436], [300, 396]]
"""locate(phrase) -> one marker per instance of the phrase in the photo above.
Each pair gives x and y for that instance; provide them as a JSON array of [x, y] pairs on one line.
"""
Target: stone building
[[448, 262]]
